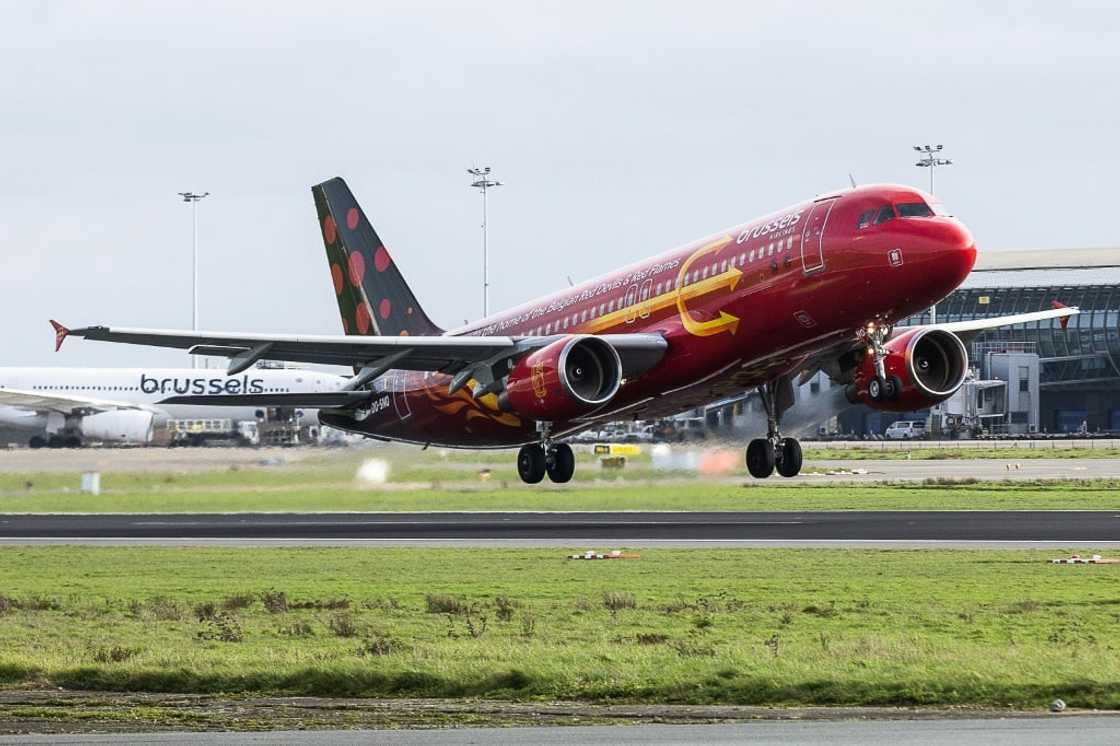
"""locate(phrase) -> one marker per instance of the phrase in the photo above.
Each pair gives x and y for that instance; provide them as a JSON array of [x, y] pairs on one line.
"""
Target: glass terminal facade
[[1079, 366]]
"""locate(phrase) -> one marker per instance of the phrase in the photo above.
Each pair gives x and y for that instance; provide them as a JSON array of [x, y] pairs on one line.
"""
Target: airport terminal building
[[1053, 380]]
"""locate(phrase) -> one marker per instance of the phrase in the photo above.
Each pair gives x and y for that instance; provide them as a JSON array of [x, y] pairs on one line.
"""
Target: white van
[[906, 430]]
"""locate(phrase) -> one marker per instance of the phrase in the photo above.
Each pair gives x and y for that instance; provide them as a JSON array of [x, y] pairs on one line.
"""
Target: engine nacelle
[[568, 378], [927, 365], [118, 426]]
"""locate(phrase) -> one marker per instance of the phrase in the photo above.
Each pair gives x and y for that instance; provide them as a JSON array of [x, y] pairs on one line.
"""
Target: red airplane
[[815, 286]]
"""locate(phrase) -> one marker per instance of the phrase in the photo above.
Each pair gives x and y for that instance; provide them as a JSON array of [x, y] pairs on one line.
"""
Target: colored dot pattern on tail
[[381, 259], [371, 300], [357, 268], [361, 317]]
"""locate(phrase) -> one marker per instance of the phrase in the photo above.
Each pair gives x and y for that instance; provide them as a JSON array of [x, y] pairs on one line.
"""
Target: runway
[[857, 528]]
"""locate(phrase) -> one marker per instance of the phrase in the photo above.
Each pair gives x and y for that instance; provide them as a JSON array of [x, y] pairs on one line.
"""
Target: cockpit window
[[914, 210], [866, 218], [885, 214]]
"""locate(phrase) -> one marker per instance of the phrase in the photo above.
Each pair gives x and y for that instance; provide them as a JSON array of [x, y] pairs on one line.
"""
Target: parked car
[[906, 430]]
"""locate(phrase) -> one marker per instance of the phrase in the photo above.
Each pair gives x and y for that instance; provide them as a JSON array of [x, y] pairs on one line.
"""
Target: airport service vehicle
[[816, 286], [197, 432], [59, 407], [906, 430]]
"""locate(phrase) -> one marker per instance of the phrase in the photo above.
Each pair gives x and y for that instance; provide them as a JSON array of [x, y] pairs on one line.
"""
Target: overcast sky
[[619, 129]]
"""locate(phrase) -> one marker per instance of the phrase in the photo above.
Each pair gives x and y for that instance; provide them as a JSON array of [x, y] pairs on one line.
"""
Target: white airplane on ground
[[60, 407]]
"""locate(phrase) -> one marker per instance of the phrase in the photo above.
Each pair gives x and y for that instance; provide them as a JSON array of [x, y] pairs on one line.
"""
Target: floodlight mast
[[194, 198], [483, 182], [931, 160]]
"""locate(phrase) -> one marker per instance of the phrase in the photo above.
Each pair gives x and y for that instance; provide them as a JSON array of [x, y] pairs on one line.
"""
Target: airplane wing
[[38, 401], [424, 353], [829, 360], [311, 399], [966, 330], [463, 356]]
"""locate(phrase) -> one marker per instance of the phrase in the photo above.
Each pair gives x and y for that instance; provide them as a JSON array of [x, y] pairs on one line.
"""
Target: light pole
[[483, 182], [931, 160], [194, 198]]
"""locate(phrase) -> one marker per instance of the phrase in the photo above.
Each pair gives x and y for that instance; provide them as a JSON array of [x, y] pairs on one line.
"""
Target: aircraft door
[[632, 304], [645, 296], [395, 384], [400, 394], [812, 236]]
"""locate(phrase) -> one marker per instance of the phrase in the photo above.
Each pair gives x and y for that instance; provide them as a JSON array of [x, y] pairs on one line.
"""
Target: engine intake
[[927, 365], [568, 378], [937, 363]]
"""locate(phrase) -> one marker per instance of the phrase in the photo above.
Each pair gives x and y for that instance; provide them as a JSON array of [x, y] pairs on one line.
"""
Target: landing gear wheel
[[875, 388], [73, 441], [760, 458], [562, 465], [531, 463], [789, 457], [892, 388], [55, 441], [37, 441]]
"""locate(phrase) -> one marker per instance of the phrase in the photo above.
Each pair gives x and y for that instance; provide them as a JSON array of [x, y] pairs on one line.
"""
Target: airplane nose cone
[[943, 261], [960, 251]]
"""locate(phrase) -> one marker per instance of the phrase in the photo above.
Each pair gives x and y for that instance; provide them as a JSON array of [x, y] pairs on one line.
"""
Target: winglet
[[60, 334], [1065, 319]]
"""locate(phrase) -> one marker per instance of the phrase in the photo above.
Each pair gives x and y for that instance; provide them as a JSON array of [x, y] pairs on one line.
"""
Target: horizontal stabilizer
[[311, 400]]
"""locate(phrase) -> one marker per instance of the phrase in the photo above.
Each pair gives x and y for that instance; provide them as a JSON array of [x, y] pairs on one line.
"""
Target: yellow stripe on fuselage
[[728, 279]]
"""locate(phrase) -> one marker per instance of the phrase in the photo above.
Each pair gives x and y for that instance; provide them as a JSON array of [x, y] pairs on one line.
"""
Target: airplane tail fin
[[373, 297]]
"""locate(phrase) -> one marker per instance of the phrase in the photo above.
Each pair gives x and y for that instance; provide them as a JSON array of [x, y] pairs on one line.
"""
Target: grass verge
[[819, 627], [185, 495], [919, 452]]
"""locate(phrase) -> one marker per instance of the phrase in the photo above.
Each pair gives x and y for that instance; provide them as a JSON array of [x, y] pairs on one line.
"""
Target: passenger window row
[[690, 278]]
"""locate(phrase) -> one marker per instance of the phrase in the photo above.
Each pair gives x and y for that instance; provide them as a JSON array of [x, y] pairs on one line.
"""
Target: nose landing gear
[[534, 460], [764, 455], [882, 387]]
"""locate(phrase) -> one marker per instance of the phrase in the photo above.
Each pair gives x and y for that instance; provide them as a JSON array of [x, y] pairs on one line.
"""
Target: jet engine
[[924, 367], [568, 378], [118, 426]]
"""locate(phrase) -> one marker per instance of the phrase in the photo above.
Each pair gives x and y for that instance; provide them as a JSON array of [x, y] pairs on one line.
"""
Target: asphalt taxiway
[[839, 528]]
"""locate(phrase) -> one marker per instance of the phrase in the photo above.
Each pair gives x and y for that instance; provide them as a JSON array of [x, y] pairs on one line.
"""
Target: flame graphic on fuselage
[[485, 406]]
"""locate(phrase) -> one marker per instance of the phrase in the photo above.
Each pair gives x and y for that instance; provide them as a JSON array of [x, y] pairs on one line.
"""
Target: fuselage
[[738, 308], [149, 386]]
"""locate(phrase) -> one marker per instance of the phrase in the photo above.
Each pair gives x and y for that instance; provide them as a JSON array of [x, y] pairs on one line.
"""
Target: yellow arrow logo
[[729, 278], [676, 297]]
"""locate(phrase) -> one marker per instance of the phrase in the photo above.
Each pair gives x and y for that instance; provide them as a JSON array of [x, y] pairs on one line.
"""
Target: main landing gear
[[764, 455], [534, 460], [882, 387]]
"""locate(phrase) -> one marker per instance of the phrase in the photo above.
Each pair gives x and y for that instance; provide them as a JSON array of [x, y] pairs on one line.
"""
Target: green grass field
[[918, 451], [295, 490], [453, 480], [1001, 629]]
